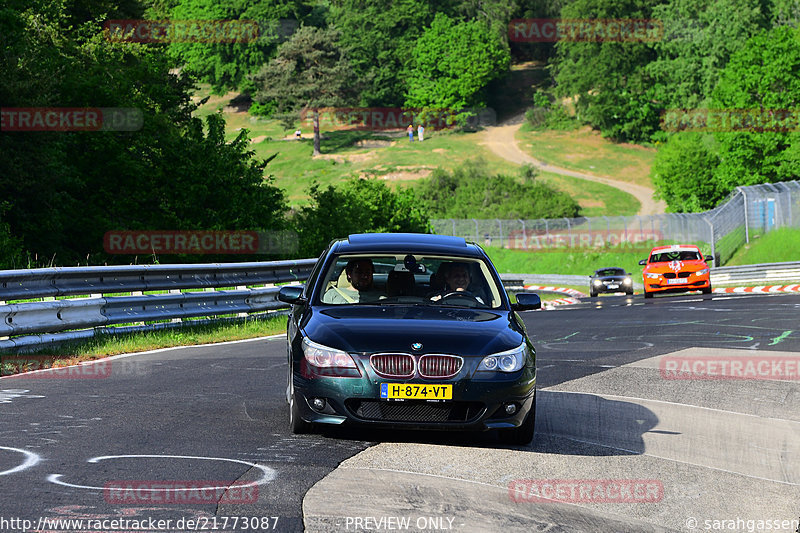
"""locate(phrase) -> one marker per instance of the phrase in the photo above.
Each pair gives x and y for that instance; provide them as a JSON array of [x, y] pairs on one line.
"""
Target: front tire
[[522, 435], [648, 294], [707, 290]]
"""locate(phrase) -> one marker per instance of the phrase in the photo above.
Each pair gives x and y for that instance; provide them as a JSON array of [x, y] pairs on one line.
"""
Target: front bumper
[[692, 283], [477, 404]]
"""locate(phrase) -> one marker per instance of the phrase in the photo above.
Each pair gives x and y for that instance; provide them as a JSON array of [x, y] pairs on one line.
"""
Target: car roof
[[609, 268], [405, 242], [675, 248]]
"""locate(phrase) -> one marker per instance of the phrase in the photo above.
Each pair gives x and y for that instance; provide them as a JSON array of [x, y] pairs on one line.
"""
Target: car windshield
[[385, 279], [675, 255], [610, 272]]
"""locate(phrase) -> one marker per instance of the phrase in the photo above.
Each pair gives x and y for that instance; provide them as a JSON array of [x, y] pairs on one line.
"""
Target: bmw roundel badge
[[417, 346]]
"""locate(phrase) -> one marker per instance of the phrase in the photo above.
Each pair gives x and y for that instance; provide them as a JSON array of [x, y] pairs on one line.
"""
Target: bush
[[356, 206], [470, 191]]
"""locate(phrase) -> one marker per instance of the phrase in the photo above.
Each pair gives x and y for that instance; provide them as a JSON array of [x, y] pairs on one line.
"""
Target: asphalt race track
[[625, 442]]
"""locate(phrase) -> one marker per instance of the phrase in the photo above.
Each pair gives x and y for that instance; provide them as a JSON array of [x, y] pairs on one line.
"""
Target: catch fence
[[748, 212]]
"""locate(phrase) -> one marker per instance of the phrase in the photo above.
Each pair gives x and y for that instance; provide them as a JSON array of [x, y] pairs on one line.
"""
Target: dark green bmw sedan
[[412, 331]]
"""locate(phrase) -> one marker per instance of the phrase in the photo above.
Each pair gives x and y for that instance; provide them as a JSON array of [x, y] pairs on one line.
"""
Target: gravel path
[[500, 140]]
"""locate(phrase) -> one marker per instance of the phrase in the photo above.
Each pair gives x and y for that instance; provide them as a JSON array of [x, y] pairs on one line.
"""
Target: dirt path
[[500, 140]]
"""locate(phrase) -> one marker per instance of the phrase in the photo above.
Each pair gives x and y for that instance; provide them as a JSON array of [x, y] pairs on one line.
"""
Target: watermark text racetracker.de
[[30, 366], [769, 367], [585, 30], [200, 242], [145, 492], [586, 490], [392, 118], [70, 119], [181, 31], [758, 120]]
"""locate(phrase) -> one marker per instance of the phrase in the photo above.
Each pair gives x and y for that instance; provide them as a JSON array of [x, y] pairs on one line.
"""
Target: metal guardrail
[[766, 273], [70, 281], [23, 319], [30, 323]]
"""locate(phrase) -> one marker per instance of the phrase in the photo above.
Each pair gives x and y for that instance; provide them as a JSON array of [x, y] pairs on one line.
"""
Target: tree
[[226, 65], [683, 174], [379, 36], [698, 40], [452, 64], [310, 71], [356, 206], [761, 85], [64, 190], [615, 93]]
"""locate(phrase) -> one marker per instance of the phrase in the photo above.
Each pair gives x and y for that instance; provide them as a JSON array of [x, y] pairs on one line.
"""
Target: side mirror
[[291, 295], [527, 301], [710, 258], [643, 262]]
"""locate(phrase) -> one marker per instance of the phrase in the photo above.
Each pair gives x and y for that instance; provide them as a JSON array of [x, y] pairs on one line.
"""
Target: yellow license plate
[[416, 391]]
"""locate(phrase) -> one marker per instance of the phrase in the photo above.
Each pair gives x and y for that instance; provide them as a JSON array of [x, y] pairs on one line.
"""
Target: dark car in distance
[[611, 279], [410, 331]]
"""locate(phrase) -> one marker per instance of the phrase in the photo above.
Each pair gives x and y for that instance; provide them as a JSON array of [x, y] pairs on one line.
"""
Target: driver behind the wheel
[[456, 279]]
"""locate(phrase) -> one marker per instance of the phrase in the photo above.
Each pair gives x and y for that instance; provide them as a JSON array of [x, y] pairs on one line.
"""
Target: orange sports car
[[676, 268]]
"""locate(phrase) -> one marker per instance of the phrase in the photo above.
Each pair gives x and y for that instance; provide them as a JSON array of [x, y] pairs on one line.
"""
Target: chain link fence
[[748, 212]]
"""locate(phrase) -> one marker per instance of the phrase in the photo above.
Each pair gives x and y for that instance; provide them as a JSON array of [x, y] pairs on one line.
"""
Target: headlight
[[597, 282], [626, 281], [325, 357], [508, 361], [702, 272], [652, 276]]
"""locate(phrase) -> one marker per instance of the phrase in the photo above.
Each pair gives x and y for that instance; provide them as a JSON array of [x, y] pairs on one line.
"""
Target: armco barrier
[[22, 321], [29, 323], [760, 274]]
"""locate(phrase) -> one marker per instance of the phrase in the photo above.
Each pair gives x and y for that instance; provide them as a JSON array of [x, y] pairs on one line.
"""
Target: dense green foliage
[[452, 63], [755, 141], [226, 65], [614, 92], [355, 206], [64, 190], [60, 191], [763, 76], [683, 174], [379, 36], [471, 191]]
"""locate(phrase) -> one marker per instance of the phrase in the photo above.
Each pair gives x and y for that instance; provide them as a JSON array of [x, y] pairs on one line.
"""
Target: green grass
[[389, 156], [564, 263], [778, 246], [595, 199], [104, 345], [393, 159], [584, 150]]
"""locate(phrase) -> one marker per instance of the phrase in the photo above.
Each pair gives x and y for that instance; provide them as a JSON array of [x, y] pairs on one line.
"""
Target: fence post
[[746, 220], [500, 225], [713, 244], [475, 220], [524, 235]]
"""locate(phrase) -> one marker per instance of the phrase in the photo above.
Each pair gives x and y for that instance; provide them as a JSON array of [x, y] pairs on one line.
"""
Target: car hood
[[685, 266], [369, 329]]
